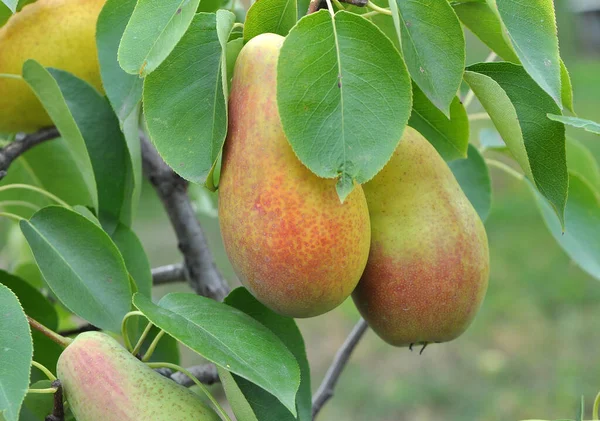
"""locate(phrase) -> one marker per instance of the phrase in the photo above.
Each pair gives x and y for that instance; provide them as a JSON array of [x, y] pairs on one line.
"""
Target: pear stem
[[196, 381], [59, 339], [153, 346], [140, 342], [507, 169], [126, 339], [596, 406], [44, 370], [38, 190], [48, 390], [378, 9], [12, 216]]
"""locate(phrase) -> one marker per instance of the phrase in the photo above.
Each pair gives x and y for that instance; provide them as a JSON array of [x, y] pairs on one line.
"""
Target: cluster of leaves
[[349, 80]]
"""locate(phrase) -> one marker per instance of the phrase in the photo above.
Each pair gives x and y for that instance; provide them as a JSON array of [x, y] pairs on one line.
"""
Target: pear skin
[[102, 381], [56, 33], [428, 267], [291, 242]]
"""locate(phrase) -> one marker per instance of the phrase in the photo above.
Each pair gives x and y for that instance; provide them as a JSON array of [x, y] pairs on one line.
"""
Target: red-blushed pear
[[428, 267], [104, 382], [57, 33], [291, 242]]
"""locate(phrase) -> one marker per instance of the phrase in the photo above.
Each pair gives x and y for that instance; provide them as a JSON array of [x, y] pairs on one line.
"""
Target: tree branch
[[168, 274], [202, 273], [326, 389], [206, 373], [21, 145], [76, 331]]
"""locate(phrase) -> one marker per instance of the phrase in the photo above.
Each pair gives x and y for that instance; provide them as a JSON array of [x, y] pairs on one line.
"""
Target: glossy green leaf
[[264, 405], [185, 103], [270, 16], [135, 258], [15, 358], [433, 45], [105, 144], [122, 89], [81, 265], [49, 93], [35, 305], [486, 25], [473, 176], [532, 30], [517, 106], [154, 29], [229, 338], [581, 238], [582, 161], [580, 123], [344, 96], [449, 136]]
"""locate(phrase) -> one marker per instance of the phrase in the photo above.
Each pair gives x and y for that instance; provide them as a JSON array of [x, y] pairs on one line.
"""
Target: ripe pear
[[102, 381], [291, 241], [428, 267], [56, 33]]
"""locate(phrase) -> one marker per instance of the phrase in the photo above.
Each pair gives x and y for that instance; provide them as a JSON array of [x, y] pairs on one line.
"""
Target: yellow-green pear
[[428, 267], [56, 33], [291, 242], [104, 382]]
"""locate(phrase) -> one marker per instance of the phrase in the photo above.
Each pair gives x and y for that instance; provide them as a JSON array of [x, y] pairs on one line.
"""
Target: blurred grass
[[531, 352]]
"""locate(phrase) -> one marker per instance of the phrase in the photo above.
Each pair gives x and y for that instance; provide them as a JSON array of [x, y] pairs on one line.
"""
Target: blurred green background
[[533, 349]]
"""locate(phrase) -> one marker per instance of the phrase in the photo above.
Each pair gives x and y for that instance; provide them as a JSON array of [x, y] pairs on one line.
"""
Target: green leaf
[[344, 96], [122, 89], [105, 144], [49, 93], [229, 338], [580, 123], [81, 265], [134, 168], [433, 45], [566, 88], [37, 406], [51, 166], [35, 305], [233, 50], [517, 106], [490, 139], [270, 16], [582, 161], [235, 397], [15, 358], [581, 238], [449, 136], [135, 258], [154, 29], [473, 176], [532, 30], [263, 404], [486, 25], [185, 103]]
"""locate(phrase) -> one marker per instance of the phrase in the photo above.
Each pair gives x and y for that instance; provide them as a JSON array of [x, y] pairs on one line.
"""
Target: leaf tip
[[344, 186]]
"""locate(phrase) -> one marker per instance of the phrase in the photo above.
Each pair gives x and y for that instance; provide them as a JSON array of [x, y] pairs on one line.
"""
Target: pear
[[102, 381], [56, 33], [291, 241], [428, 267]]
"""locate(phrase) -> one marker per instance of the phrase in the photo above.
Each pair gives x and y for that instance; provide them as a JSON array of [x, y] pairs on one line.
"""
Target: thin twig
[[21, 145], [168, 274], [76, 331], [327, 387], [206, 373], [58, 413], [202, 273]]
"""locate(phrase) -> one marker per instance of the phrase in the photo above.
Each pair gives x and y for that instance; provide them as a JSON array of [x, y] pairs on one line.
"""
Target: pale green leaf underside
[[580, 123]]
